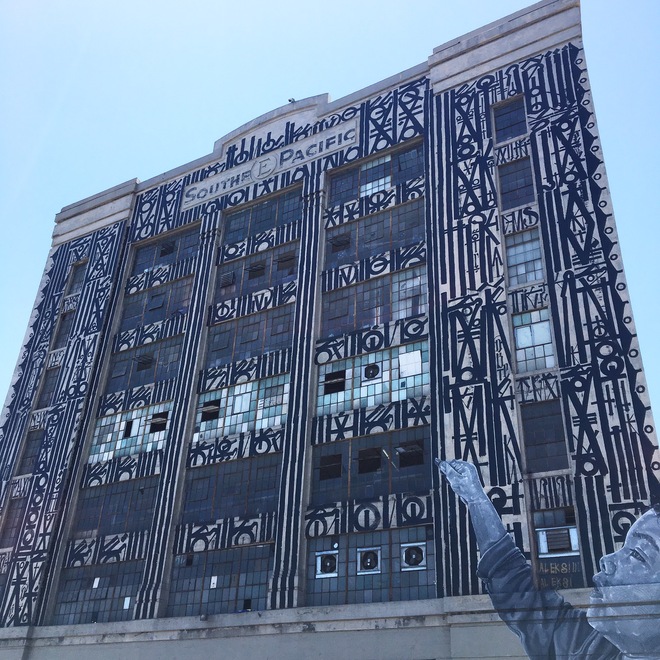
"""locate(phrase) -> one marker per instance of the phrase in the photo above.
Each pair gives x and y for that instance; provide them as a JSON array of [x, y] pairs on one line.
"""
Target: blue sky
[[95, 94]]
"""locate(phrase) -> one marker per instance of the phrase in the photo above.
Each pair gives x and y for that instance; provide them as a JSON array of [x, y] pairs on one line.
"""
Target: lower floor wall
[[460, 627]]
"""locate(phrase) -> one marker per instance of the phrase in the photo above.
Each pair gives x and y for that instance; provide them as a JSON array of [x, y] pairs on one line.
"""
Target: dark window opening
[[330, 467], [340, 242], [48, 388], [211, 410], [256, 270], [64, 330], [335, 381], [369, 460], [158, 422], [287, 264], [144, 362], [410, 454], [128, 429], [167, 248]]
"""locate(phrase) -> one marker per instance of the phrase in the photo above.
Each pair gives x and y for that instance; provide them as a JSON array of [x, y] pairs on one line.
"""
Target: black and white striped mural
[[220, 438]]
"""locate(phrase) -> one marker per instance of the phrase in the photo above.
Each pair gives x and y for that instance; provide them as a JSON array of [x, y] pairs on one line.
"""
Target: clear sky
[[97, 93]]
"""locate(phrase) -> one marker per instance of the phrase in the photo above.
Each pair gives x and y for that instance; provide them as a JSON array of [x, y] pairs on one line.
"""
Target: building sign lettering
[[265, 166]]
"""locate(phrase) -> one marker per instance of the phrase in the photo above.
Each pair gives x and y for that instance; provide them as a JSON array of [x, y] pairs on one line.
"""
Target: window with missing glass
[[156, 304], [250, 335], [533, 341], [543, 433], [510, 119], [263, 270], [151, 363], [516, 183], [366, 466], [377, 174], [166, 250], [274, 212], [374, 234], [375, 302], [523, 257]]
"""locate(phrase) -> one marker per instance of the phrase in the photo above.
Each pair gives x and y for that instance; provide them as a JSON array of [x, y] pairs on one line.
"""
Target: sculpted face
[[625, 603]]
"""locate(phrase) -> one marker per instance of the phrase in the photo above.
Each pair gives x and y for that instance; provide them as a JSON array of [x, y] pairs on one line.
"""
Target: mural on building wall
[[624, 605], [458, 385], [597, 373], [78, 281]]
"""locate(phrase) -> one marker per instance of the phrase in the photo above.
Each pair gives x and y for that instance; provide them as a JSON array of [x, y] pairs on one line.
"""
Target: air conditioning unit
[[371, 371], [326, 564], [413, 556], [368, 561]]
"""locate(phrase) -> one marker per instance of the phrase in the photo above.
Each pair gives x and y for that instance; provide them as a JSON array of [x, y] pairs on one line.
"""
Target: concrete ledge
[[538, 28], [88, 215], [458, 627]]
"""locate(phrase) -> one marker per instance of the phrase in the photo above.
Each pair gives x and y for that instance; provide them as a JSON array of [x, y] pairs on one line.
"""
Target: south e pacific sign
[[265, 166]]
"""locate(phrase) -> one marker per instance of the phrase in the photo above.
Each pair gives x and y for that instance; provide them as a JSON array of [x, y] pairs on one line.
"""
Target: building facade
[[237, 375]]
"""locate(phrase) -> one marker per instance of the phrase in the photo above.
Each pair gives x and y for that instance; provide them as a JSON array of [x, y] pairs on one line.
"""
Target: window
[[30, 453], [14, 513], [375, 175], [158, 422], [244, 407], [335, 381], [330, 467], [166, 251], [402, 372], [156, 305], [275, 212], [410, 454], [48, 388], [523, 257], [265, 269], [369, 460], [516, 184], [533, 341], [250, 335], [151, 364], [369, 466], [375, 234], [556, 532], [543, 431], [510, 119], [64, 330], [375, 301], [77, 278]]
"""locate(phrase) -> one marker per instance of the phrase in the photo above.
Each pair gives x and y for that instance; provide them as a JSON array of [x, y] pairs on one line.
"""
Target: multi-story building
[[223, 423]]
